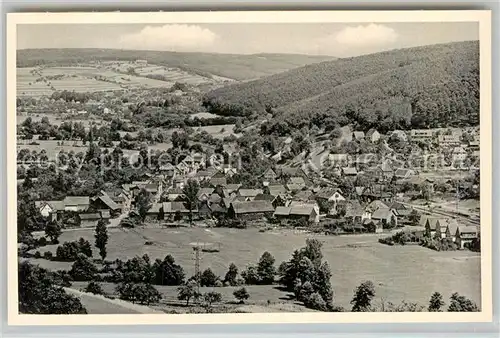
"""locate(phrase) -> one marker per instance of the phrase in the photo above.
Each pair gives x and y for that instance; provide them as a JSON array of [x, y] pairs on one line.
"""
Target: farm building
[[76, 203], [250, 209], [275, 200], [307, 212], [89, 219], [249, 194], [104, 202], [154, 214], [174, 210]]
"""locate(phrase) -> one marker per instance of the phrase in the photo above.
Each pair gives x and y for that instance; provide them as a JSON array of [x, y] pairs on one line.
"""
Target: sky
[[334, 39]]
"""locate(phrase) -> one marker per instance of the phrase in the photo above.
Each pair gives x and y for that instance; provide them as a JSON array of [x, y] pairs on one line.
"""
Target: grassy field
[[83, 79], [219, 131], [352, 259]]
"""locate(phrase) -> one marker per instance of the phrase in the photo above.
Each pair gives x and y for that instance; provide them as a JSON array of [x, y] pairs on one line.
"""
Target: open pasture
[[352, 259]]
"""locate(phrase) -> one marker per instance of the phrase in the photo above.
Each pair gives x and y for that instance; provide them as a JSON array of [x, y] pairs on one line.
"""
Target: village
[[148, 193], [299, 196]]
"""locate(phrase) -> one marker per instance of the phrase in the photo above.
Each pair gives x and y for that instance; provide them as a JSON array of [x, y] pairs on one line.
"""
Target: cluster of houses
[[87, 210], [440, 228]]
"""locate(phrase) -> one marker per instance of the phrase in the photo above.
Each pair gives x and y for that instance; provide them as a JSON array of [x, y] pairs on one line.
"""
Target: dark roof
[[109, 202], [249, 192], [264, 197], [218, 181], [76, 200], [277, 189], [90, 216], [252, 207]]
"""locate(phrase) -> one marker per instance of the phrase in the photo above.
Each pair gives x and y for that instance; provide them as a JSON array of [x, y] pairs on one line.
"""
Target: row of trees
[[364, 295]]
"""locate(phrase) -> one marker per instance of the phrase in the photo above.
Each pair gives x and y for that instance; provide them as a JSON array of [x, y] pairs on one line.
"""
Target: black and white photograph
[[278, 168]]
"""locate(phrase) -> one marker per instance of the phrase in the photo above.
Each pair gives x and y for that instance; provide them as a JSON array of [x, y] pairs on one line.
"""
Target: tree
[[144, 293], [250, 275], [95, 288], [190, 192], [211, 297], [53, 231], [414, 217], [461, 304], [363, 296], [265, 269], [83, 269], [188, 291], [208, 278], [231, 275], [143, 202], [241, 294], [39, 293], [101, 238], [167, 272], [85, 247], [436, 302]]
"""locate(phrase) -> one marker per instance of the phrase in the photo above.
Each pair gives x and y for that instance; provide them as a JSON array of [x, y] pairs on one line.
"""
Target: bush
[[42, 241], [316, 302], [48, 255], [208, 278], [94, 288], [69, 251], [241, 294], [83, 269], [38, 254], [141, 293]]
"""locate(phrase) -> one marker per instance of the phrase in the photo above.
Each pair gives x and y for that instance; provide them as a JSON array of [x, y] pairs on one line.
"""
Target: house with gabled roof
[[276, 189], [331, 195], [76, 203], [306, 212], [205, 193], [466, 235], [296, 183], [104, 202], [373, 135], [269, 175], [49, 208], [214, 182], [249, 194], [276, 201], [250, 209], [349, 172], [154, 213], [89, 219], [174, 211], [404, 173], [358, 135]]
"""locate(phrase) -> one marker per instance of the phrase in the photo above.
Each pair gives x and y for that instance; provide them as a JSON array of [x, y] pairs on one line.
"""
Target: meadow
[[34, 82], [353, 259]]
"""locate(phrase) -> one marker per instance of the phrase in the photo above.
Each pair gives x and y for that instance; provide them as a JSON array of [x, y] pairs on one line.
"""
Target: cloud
[[369, 35], [170, 37]]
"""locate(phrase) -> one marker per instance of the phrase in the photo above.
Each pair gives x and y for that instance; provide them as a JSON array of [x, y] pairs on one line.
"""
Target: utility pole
[[197, 259]]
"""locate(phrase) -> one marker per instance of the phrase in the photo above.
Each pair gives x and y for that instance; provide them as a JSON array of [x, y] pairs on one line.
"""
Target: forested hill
[[429, 86], [233, 66]]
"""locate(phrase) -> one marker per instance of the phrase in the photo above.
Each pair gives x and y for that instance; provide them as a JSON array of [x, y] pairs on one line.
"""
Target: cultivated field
[[44, 81], [352, 259]]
